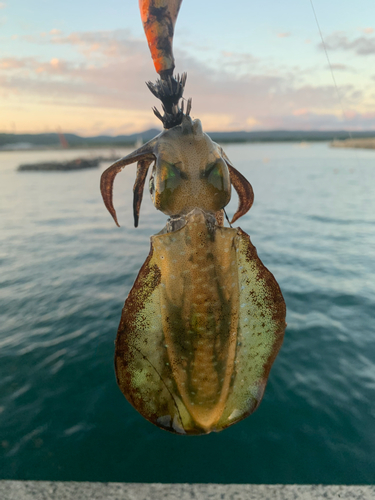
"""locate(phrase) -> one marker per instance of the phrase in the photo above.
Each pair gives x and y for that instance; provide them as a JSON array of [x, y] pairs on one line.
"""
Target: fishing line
[[226, 216], [333, 76]]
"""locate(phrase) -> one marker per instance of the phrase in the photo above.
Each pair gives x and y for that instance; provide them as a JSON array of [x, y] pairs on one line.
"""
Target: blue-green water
[[66, 270]]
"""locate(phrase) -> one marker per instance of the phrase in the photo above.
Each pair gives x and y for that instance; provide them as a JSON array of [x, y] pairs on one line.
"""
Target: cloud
[[339, 67], [236, 92], [329, 121], [30, 66], [2, 5], [368, 31], [362, 46], [118, 43], [283, 35], [13, 63], [236, 62]]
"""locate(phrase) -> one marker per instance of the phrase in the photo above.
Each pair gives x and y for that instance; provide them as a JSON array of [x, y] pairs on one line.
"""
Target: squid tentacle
[[142, 169], [145, 153], [241, 185], [244, 190]]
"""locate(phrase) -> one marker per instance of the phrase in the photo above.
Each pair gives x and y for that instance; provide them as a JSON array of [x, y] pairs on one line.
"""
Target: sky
[[80, 66]]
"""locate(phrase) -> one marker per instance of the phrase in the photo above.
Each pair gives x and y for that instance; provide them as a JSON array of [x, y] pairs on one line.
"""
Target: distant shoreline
[[115, 146], [338, 138]]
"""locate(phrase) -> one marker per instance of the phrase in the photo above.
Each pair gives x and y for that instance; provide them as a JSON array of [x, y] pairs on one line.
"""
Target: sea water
[[66, 270]]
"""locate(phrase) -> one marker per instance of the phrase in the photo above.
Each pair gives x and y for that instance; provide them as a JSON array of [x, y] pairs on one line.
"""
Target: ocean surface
[[66, 269]]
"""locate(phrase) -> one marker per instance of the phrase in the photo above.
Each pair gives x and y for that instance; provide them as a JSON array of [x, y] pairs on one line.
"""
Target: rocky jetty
[[78, 164], [363, 143]]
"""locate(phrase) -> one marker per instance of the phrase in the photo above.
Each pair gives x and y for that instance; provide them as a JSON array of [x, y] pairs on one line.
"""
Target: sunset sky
[[80, 66]]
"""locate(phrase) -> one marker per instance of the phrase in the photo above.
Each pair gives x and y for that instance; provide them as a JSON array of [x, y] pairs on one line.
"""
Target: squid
[[205, 319]]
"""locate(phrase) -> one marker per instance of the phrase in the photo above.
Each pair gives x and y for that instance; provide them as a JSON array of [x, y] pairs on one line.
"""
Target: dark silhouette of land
[[53, 140], [77, 164]]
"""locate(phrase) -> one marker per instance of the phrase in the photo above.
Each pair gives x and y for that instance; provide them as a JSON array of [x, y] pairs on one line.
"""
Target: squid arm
[[143, 156], [242, 186], [142, 170]]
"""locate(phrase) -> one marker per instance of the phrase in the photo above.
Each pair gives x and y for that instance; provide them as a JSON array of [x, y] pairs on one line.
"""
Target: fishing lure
[[205, 318]]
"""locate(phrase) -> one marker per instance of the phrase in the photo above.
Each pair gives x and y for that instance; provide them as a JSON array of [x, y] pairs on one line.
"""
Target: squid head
[[189, 171]]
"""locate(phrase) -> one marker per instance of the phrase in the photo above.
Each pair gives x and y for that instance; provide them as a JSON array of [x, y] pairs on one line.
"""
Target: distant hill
[[53, 140], [25, 141], [287, 135]]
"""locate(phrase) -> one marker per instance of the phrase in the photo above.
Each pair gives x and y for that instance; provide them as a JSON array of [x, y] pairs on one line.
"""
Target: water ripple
[[66, 270]]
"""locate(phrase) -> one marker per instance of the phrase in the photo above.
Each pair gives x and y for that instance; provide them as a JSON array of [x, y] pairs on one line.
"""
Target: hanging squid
[[205, 319]]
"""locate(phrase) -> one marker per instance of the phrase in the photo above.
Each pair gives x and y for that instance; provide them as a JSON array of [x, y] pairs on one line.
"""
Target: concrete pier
[[57, 490]]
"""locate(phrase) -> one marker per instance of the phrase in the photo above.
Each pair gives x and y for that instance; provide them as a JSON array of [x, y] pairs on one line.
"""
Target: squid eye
[[214, 173], [170, 173], [168, 177], [167, 172], [167, 181]]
